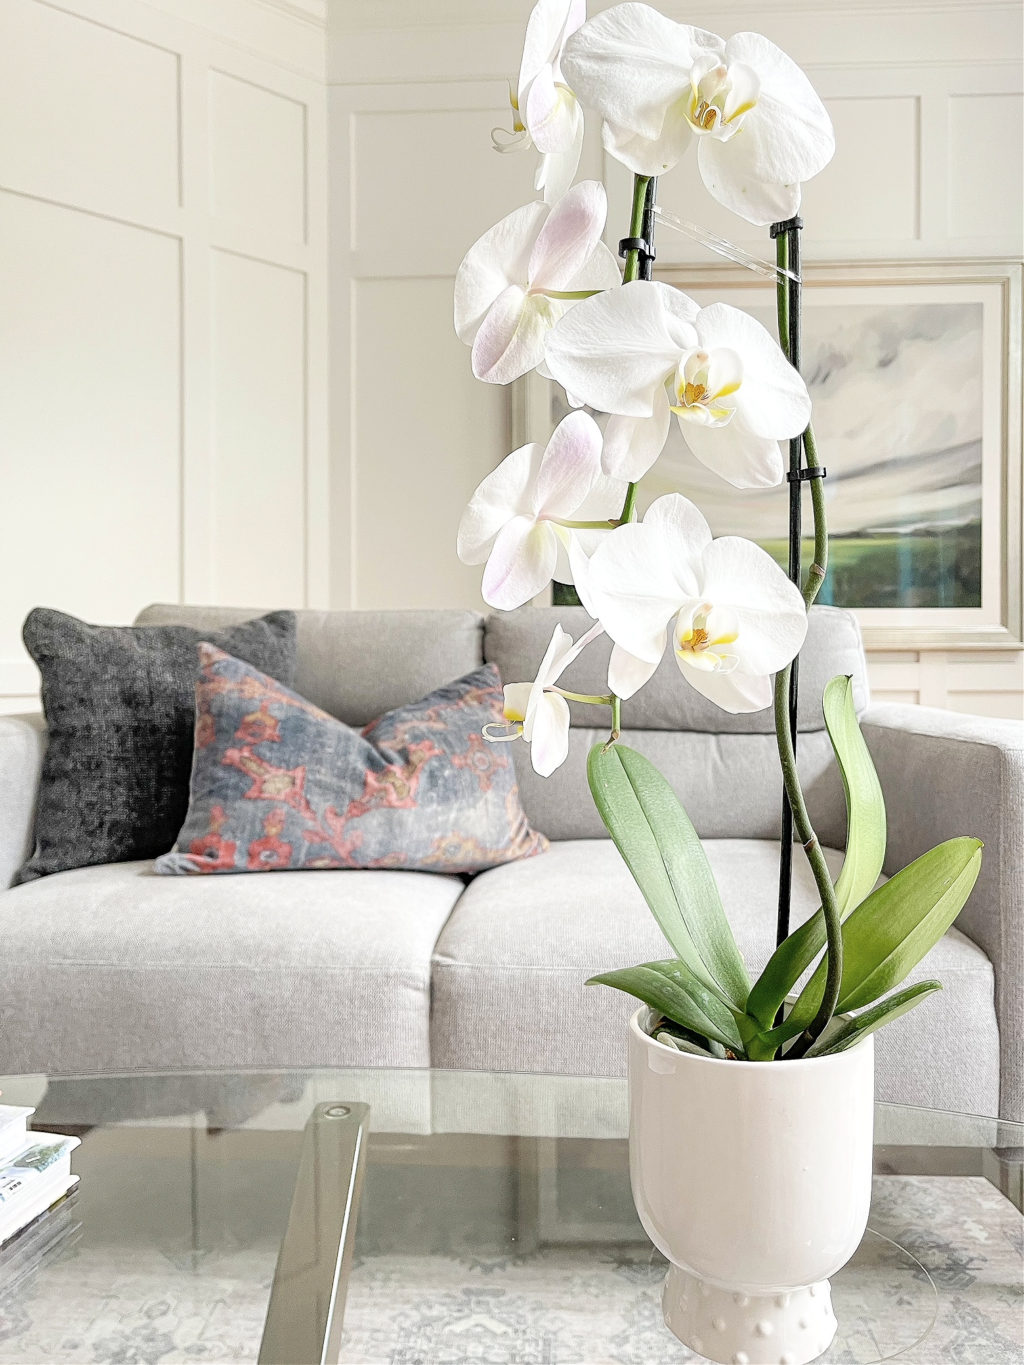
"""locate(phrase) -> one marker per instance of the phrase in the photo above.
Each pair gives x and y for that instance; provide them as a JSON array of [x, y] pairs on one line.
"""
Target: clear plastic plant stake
[[722, 247]]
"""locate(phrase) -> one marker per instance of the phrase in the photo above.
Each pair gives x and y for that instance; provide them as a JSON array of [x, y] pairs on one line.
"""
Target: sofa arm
[[22, 744], [945, 774]]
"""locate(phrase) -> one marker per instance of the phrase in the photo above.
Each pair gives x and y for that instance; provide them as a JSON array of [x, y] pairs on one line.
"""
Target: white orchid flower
[[538, 711], [733, 616], [516, 518], [545, 112], [761, 129], [646, 350], [524, 273]]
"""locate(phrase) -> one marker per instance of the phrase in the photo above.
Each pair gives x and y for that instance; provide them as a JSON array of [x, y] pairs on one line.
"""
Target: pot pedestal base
[[749, 1329]]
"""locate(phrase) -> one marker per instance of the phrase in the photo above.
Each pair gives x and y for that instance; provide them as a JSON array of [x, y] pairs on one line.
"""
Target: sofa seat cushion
[[116, 968], [510, 966]]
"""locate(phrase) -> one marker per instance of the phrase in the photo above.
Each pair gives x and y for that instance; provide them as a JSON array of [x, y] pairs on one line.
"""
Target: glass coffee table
[[449, 1218]]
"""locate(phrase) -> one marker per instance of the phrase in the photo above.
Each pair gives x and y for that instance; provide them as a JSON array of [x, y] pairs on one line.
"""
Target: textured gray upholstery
[[356, 665], [118, 969], [945, 774], [22, 743], [511, 962], [730, 785]]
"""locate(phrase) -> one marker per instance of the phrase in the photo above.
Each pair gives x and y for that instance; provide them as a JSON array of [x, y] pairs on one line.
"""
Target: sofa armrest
[[22, 744], [946, 774]]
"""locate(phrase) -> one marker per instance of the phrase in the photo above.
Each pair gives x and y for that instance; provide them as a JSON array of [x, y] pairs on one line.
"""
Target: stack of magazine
[[36, 1194]]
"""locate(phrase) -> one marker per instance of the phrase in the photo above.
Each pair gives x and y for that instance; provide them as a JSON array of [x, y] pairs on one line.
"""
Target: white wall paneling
[[163, 277], [926, 97]]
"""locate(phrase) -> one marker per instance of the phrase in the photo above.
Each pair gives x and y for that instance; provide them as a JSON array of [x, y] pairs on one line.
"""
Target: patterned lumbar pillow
[[277, 783], [120, 711]]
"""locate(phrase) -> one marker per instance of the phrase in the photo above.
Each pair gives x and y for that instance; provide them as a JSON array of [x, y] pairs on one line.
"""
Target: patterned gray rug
[[959, 1302]]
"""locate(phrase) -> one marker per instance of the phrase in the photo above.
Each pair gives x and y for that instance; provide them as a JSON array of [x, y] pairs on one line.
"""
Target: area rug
[[593, 1305]]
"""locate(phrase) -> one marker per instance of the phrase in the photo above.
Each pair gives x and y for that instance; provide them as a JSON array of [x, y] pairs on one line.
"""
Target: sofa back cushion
[[358, 664], [355, 665]]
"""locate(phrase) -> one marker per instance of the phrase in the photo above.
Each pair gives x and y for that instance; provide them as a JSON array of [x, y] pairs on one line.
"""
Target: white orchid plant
[[541, 291]]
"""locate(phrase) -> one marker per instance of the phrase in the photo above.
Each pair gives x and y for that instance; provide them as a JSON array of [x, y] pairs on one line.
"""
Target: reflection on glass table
[[446, 1217]]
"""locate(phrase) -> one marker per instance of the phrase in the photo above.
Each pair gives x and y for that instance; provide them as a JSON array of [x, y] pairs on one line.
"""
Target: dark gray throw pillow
[[120, 711]]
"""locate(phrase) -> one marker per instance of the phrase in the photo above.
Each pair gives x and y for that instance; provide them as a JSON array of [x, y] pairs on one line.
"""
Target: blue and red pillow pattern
[[279, 784]]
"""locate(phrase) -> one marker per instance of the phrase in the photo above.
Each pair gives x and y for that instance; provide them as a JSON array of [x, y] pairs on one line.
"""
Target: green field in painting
[[919, 569]]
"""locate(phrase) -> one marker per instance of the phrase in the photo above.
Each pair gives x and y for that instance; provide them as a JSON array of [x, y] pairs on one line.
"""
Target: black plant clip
[[800, 475], [778, 229], [640, 244]]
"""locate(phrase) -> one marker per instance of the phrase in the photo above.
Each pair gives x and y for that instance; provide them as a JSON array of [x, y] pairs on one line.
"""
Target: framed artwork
[[915, 374]]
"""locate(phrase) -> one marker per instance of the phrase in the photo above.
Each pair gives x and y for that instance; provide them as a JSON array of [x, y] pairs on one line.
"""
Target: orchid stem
[[801, 821], [568, 293], [642, 210], [588, 698], [608, 524]]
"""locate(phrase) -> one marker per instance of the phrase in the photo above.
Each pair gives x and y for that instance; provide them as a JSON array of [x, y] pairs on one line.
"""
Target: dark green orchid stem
[[643, 210], [641, 215], [783, 705]]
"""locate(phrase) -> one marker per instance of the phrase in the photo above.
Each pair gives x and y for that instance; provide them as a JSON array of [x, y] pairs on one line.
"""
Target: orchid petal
[[550, 23], [735, 453], [579, 570], [510, 341], [724, 168], [734, 692], [517, 698], [685, 531], [557, 170], [599, 271], [649, 156], [520, 564], [497, 259], [572, 230], [505, 492], [627, 674], [631, 63], [769, 609], [549, 737], [772, 396], [634, 590], [794, 138], [552, 114], [551, 665], [570, 467], [616, 350], [633, 444]]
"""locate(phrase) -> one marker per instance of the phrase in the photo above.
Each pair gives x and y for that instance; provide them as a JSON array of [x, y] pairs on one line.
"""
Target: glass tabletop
[[449, 1218]]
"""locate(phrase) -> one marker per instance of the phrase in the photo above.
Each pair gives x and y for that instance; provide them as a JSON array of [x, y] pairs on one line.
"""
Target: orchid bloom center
[[704, 385], [719, 96], [701, 635]]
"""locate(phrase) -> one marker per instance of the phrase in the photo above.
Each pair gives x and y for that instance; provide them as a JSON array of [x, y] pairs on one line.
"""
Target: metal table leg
[[307, 1299]]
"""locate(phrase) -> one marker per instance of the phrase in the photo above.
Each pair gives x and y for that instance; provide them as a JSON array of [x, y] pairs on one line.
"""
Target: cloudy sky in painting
[[898, 418]]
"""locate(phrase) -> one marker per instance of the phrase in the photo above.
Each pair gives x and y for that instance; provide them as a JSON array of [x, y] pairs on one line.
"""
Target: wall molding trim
[[356, 15]]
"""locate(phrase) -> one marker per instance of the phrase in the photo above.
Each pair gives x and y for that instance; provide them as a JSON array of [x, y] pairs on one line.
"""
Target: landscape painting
[[897, 392], [914, 372]]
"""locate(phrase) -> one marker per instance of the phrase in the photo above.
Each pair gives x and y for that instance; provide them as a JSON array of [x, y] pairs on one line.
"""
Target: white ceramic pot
[[754, 1180]]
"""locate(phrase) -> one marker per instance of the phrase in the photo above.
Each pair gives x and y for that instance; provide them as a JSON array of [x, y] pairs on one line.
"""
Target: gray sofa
[[112, 968]]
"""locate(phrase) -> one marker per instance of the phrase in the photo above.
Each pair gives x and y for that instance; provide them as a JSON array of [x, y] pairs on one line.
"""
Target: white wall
[[163, 344], [926, 99]]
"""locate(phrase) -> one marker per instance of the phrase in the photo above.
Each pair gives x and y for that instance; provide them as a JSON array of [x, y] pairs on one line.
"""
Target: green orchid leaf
[[680, 1043], [865, 852], [889, 933], [671, 988], [851, 1031], [661, 849]]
